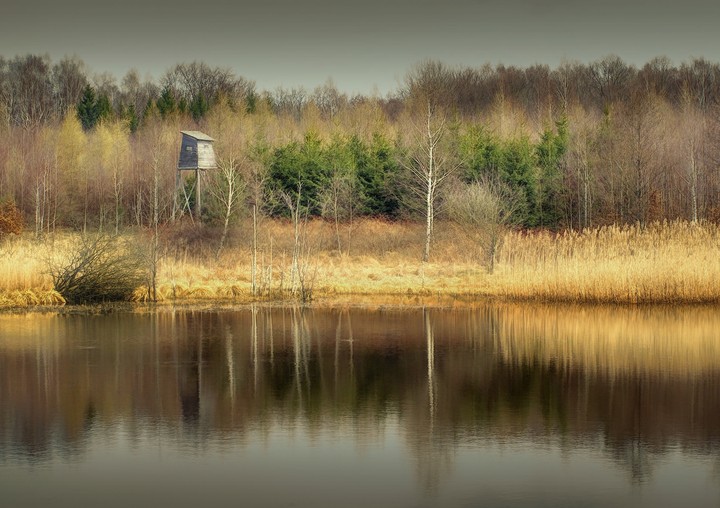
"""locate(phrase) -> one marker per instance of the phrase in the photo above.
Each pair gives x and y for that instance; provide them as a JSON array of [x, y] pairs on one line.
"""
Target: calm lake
[[505, 406]]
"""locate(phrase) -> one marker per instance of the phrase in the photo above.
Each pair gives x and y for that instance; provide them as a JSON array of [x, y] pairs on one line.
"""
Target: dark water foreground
[[495, 406]]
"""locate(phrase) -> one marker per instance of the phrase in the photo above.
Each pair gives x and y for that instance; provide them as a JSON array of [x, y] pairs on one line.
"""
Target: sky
[[364, 46]]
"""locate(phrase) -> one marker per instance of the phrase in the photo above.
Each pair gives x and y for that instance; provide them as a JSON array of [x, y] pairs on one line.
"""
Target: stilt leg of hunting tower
[[198, 203], [175, 196]]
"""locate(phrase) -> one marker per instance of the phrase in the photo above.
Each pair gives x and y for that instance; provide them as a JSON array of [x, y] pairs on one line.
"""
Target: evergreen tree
[[132, 118], [377, 173], [511, 161], [150, 110], [550, 152], [199, 106], [481, 153], [301, 166], [92, 108], [87, 111], [166, 103], [517, 169], [103, 108]]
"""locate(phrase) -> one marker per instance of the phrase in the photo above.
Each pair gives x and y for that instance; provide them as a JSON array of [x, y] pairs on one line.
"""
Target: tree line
[[579, 145]]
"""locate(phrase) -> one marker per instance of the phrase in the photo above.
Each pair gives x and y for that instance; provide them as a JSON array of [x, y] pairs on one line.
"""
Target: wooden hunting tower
[[196, 154]]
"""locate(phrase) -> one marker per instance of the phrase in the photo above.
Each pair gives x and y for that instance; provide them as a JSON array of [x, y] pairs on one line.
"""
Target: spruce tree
[[198, 107], [103, 108], [549, 152], [166, 103], [132, 118], [87, 108]]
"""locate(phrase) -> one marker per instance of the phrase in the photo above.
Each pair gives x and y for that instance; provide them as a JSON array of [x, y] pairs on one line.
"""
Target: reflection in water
[[632, 386]]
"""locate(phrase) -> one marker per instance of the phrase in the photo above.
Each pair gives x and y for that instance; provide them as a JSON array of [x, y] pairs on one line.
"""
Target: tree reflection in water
[[630, 383]]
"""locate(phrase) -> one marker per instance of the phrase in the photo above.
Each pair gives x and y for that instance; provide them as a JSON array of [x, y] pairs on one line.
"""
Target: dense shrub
[[11, 219], [99, 269]]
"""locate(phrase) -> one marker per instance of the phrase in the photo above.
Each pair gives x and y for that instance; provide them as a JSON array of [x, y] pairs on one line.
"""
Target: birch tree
[[642, 130], [226, 184], [46, 168], [692, 126], [430, 162], [429, 168], [227, 188], [300, 281], [581, 163]]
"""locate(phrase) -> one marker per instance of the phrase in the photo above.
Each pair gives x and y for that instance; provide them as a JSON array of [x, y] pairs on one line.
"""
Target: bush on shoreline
[[99, 268]]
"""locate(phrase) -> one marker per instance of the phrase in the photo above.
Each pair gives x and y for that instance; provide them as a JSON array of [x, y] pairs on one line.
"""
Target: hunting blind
[[196, 154]]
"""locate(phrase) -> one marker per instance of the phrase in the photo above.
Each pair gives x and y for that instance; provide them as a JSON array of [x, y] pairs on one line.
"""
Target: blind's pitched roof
[[200, 136]]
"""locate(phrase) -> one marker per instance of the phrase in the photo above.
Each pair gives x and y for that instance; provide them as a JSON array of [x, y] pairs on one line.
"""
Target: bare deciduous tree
[[338, 200], [70, 203], [328, 99], [198, 79], [30, 93], [608, 79], [641, 132], [69, 81], [301, 280], [290, 102], [227, 187], [581, 158], [430, 161], [136, 93], [484, 210], [693, 134], [430, 168]]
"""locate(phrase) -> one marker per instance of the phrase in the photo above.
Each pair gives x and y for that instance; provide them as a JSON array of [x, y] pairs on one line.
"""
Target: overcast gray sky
[[363, 45]]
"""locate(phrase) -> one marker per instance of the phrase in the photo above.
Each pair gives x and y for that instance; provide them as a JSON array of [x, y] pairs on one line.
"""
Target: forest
[[579, 145], [586, 182]]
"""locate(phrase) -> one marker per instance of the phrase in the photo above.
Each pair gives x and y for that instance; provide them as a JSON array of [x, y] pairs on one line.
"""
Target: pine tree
[[132, 118], [166, 103], [198, 107], [103, 108], [550, 151], [87, 108]]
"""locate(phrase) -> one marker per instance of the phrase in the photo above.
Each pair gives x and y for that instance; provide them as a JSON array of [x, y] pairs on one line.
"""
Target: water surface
[[490, 406]]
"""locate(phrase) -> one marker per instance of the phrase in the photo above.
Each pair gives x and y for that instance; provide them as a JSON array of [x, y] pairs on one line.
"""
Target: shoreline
[[676, 263], [399, 300]]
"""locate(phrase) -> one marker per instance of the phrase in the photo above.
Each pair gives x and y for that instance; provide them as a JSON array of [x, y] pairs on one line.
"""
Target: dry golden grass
[[668, 262], [24, 281], [23, 267], [661, 263]]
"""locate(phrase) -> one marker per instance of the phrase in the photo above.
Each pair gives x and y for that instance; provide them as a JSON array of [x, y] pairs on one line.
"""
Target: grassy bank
[[674, 262], [662, 263]]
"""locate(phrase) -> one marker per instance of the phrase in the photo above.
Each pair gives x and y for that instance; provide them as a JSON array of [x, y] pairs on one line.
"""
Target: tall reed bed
[[670, 262], [667, 262], [24, 279]]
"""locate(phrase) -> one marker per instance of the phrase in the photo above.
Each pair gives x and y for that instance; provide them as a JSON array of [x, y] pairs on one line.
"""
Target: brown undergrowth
[[671, 262]]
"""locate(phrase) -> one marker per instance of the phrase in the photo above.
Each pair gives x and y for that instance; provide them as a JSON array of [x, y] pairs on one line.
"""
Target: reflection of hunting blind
[[196, 154]]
